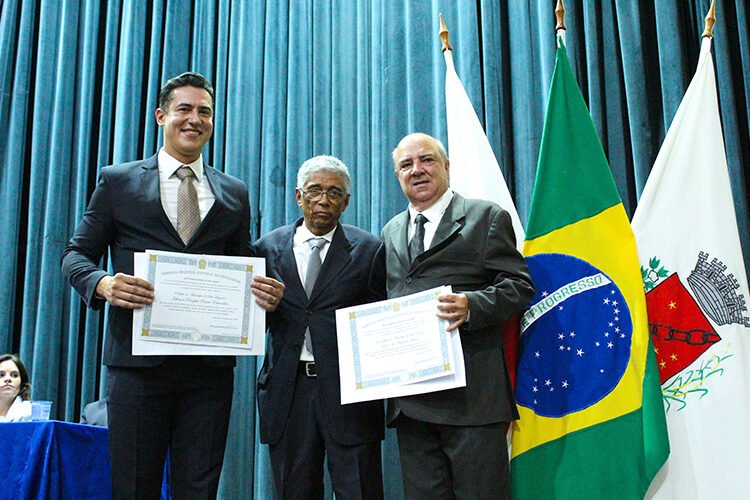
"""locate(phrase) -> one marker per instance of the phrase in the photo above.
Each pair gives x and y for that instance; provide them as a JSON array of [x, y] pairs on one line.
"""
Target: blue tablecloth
[[53, 460], [57, 460]]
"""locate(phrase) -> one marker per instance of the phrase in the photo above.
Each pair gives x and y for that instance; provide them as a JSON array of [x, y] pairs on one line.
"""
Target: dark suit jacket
[[125, 215], [350, 275], [474, 251]]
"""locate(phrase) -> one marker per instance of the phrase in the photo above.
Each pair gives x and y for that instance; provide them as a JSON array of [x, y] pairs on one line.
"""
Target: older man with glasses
[[325, 265]]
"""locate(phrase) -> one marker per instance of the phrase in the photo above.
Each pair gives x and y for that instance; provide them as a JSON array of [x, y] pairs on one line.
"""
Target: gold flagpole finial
[[444, 35], [708, 25], [560, 15]]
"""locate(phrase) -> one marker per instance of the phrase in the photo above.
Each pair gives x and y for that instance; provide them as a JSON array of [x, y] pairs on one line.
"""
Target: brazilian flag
[[592, 419]]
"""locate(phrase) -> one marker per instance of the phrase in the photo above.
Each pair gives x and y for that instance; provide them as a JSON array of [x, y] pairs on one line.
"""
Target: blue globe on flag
[[576, 337]]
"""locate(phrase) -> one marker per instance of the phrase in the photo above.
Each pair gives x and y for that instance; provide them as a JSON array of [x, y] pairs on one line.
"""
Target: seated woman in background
[[15, 390]]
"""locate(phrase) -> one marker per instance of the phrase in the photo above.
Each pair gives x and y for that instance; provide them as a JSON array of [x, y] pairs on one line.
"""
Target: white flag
[[474, 171], [697, 296]]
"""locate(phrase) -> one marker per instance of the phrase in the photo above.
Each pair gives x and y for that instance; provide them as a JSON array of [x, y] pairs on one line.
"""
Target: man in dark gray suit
[[452, 442], [158, 402], [299, 392]]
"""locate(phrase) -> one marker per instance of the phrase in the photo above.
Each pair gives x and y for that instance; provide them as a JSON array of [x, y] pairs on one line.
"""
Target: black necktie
[[416, 245]]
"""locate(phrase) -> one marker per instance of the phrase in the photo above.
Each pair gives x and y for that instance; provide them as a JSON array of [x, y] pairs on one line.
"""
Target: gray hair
[[426, 137], [323, 163]]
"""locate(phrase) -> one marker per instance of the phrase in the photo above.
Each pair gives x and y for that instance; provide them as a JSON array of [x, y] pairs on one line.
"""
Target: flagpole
[[708, 31], [444, 35], [560, 15]]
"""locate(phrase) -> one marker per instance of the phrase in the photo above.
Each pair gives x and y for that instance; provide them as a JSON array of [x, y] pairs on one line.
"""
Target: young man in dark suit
[[158, 402], [452, 443], [325, 266]]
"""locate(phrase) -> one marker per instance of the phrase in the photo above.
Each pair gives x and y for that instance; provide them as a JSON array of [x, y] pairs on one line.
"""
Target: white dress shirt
[[19, 411], [433, 215], [302, 256], [169, 184]]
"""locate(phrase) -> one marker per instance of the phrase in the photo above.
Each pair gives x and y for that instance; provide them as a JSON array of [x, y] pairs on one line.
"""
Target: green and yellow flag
[[592, 419]]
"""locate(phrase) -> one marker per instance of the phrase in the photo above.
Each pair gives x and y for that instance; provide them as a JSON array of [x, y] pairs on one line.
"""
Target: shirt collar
[[303, 234], [168, 164], [435, 212]]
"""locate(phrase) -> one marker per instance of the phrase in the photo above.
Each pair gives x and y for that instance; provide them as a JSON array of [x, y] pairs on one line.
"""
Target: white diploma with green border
[[203, 305], [397, 347]]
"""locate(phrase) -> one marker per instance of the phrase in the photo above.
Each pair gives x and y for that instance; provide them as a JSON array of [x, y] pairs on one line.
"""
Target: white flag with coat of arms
[[697, 297]]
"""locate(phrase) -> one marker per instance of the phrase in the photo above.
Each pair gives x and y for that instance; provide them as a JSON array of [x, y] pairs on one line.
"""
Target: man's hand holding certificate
[[397, 347], [203, 304]]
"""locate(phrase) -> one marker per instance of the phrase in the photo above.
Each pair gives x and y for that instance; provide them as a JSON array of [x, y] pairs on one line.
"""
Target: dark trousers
[[182, 404], [453, 462], [297, 459]]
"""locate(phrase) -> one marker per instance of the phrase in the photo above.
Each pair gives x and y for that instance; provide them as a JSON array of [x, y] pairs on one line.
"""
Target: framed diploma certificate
[[203, 304], [397, 347]]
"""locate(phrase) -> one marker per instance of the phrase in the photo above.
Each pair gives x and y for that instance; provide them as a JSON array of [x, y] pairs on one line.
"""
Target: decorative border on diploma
[[201, 262], [407, 377], [247, 305]]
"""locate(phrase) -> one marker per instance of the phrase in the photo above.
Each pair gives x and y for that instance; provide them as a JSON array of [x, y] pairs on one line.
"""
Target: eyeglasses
[[314, 194]]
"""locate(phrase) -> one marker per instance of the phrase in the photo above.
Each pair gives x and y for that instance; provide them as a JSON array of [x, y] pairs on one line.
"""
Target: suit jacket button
[[309, 312], [408, 280], [296, 347], [289, 382]]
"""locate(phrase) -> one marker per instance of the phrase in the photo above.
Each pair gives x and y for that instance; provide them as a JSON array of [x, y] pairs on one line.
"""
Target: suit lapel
[[210, 176], [450, 224], [337, 258], [287, 265], [152, 195], [399, 235]]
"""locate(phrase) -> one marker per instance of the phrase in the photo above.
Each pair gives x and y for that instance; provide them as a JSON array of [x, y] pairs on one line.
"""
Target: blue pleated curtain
[[78, 88]]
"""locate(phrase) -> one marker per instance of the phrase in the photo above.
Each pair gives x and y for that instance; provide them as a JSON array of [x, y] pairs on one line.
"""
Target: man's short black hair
[[187, 79]]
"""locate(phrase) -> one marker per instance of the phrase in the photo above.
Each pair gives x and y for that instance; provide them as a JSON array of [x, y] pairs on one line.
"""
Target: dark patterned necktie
[[188, 211], [416, 245]]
